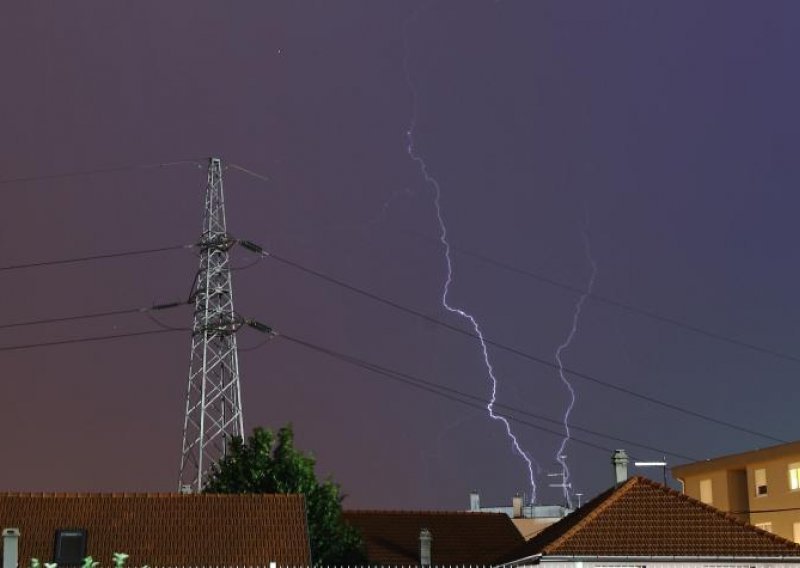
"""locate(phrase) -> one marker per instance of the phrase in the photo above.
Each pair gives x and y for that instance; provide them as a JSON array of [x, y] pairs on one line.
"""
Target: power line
[[415, 384], [616, 303], [160, 307], [163, 325], [573, 289], [96, 171], [399, 307], [102, 256], [77, 317], [256, 175], [86, 339], [454, 394], [460, 250], [416, 381], [518, 352]]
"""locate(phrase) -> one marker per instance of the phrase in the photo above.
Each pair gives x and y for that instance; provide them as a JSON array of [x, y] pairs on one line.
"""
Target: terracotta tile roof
[[644, 518], [167, 529], [392, 537]]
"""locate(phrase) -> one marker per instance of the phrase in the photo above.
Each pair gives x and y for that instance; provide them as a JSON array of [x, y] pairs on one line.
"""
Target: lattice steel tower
[[213, 397]]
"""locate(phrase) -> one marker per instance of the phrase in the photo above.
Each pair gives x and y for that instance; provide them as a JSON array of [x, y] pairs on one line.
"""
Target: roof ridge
[[419, 512], [612, 498], [141, 495]]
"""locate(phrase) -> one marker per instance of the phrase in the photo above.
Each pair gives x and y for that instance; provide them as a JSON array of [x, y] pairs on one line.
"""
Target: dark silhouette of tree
[[269, 463]]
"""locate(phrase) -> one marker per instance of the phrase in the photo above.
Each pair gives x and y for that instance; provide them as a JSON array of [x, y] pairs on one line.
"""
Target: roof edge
[[417, 512], [143, 495], [609, 500], [740, 459], [562, 557]]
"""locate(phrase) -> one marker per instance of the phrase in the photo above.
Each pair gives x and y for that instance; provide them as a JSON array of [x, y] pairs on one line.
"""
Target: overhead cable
[[520, 353], [449, 394], [446, 391], [256, 175], [619, 304], [94, 171], [101, 256], [93, 315], [86, 339]]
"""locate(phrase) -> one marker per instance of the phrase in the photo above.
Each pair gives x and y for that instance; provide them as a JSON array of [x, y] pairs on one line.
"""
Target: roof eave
[[662, 558], [532, 559]]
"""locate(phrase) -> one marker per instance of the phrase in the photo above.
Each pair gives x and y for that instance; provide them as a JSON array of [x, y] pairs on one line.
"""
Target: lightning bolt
[[443, 239], [576, 315]]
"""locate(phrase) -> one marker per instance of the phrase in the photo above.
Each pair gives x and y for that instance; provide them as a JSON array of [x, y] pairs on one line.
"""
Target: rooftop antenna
[[564, 486], [662, 464], [213, 397]]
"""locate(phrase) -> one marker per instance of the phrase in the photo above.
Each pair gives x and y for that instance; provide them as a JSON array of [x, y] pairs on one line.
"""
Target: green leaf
[[270, 463]]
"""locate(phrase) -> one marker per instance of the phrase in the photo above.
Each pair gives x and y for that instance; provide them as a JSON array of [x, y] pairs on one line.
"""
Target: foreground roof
[[392, 537], [642, 518], [167, 529]]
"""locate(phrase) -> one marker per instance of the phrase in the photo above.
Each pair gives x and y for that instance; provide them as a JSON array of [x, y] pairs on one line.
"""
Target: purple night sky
[[666, 132]]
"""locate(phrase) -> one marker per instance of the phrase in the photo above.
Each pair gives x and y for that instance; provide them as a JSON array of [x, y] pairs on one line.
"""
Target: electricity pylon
[[213, 397]]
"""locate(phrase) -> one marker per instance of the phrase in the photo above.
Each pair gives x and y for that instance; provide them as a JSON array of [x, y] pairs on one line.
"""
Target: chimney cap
[[474, 501], [425, 541], [11, 532], [620, 462]]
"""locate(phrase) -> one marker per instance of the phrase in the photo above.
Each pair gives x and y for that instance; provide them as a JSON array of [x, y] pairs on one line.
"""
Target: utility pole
[[213, 396]]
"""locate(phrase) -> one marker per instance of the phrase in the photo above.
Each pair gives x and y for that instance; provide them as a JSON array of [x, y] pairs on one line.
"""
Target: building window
[[761, 482], [70, 549], [796, 532], [706, 495], [764, 526], [794, 476]]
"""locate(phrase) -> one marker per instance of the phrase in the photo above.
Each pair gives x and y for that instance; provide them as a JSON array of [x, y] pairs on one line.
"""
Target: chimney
[[516, 506], [10, 548], [425, 540], [620, 462], [474, 501]]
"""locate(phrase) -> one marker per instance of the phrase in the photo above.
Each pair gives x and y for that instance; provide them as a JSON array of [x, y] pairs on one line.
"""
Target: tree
[[269, 463]]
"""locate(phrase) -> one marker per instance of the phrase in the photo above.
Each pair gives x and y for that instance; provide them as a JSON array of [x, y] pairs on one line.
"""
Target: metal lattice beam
[[213, 396]]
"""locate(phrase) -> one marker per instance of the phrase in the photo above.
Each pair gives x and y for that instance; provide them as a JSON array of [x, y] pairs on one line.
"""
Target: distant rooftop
[[517, 510], [531, 511], [459, 538]]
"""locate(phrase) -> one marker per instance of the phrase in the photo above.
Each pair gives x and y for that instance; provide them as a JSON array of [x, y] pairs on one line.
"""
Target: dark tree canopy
[[269, 463]]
